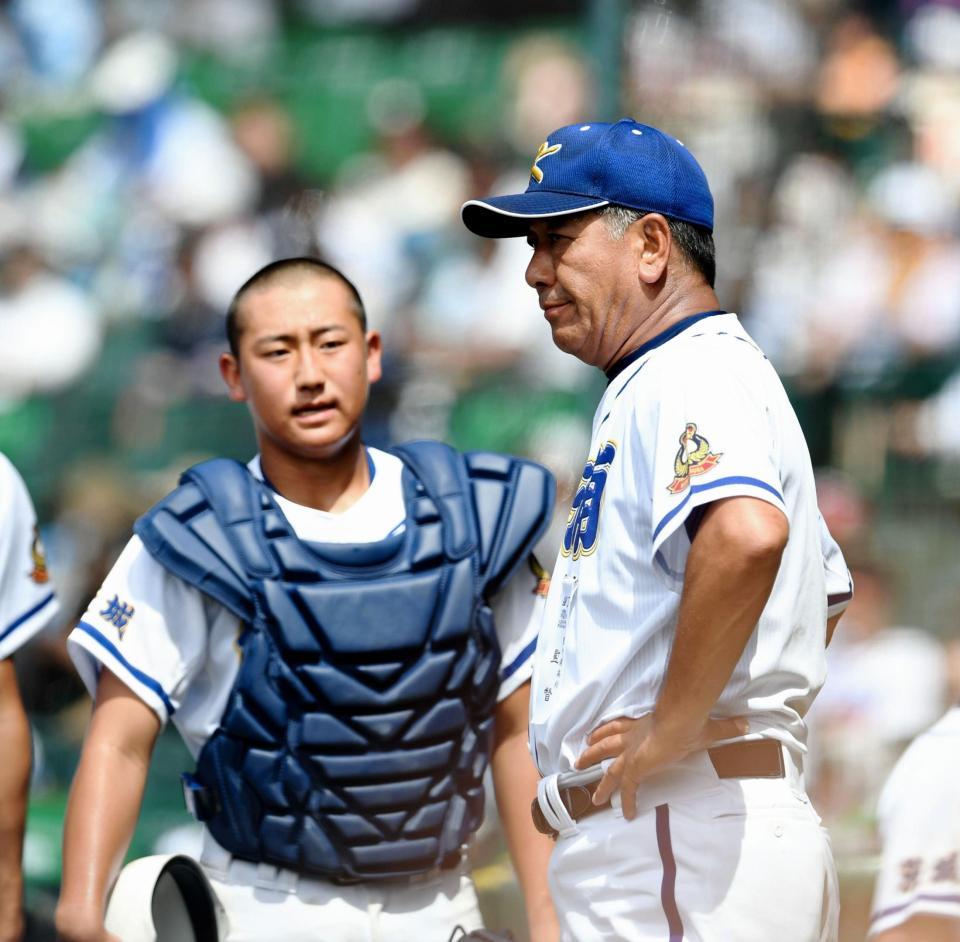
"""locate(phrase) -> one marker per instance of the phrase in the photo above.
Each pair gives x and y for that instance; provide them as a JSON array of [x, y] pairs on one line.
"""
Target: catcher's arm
[[515, 782], [103, 807]]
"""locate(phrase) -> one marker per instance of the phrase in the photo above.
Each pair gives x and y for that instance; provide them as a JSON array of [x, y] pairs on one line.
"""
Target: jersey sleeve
[[517, 611], [838, 579], [712, 438], [919, 816], [27, 600], [148, 627]]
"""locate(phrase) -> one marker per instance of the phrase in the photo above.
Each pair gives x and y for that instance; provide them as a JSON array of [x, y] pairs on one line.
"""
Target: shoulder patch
[[38, 559], [694, 457], [118, 613]]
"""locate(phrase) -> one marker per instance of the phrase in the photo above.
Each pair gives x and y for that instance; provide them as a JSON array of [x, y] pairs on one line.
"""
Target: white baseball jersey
[[176, 648], [919, 819], [695, 415], [27, 602]]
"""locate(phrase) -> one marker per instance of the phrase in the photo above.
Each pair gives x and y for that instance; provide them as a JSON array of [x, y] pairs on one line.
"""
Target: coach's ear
[[650, 241], [230, 371]]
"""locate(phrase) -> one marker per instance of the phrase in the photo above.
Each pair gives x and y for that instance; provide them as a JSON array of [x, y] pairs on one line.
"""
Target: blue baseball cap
[[587, 166]]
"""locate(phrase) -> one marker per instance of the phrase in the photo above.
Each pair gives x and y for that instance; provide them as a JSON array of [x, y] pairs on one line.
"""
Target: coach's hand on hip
[[642, 747]]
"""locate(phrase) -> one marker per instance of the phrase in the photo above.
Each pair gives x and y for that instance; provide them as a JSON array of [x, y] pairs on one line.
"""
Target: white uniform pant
[[268, 904], [705, 860]]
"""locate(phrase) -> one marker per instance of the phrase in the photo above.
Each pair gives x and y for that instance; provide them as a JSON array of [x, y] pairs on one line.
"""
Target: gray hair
[[618, 219], [695, 242]]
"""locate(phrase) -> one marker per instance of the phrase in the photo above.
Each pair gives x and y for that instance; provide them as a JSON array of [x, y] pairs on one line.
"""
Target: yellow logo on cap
[[546, 149]]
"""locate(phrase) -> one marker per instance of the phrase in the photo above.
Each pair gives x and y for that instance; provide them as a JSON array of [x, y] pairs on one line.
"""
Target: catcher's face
[[304, 366], [586, 281]]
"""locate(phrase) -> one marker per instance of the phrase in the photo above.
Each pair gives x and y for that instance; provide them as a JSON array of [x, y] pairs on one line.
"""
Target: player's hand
[[643, 746]]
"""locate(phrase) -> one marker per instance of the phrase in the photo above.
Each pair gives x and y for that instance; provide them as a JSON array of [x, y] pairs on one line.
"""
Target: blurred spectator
[[885, 683], [49, 330], [476, 315], [548, 86], [386, 213], [61, 37], [860, 73], [152, 155], [176, 147], [287, 205]]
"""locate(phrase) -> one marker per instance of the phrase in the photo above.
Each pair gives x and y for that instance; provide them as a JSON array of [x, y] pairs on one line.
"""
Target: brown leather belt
[[759, 758]]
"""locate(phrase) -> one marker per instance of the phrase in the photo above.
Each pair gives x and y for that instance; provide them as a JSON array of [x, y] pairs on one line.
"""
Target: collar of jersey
[[655, 342], [371, 470]]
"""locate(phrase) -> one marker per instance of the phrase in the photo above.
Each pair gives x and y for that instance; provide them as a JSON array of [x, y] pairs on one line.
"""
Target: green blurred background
[[154, 155]]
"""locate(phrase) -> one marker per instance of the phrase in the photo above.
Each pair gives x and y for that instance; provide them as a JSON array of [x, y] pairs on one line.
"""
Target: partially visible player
[[917, 895], [696, 585], [27, 604], [343, 638]]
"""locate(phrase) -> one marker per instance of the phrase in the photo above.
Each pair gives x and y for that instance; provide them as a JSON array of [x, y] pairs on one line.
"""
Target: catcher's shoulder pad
[[495, 505], [186, 532], [513, 500]]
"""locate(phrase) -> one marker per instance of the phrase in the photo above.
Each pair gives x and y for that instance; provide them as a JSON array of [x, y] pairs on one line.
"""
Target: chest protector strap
[[355, 739]]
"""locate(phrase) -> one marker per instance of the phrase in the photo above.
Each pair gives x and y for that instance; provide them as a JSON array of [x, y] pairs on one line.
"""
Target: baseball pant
[[705, 860], [263, 902]]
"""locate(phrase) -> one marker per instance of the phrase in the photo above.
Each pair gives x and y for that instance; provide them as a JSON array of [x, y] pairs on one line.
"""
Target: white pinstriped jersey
[[176, 648], [27, 601], [695, 415], [919, 820]]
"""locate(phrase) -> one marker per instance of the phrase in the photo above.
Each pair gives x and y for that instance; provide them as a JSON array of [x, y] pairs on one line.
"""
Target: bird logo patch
[[546, 149], [694, 457], [39, 572]]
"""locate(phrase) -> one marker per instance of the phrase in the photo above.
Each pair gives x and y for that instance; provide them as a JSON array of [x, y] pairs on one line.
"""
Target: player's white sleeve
[[919, 816], [838, 579], [27, 600], [713, 438], [148, 627], [517, 610]]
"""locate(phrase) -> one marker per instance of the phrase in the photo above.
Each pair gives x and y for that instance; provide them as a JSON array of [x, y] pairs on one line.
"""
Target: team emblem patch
[[546, 149], [693, 458], [543, 576], [118, 613], [38, 571], [583, 523]]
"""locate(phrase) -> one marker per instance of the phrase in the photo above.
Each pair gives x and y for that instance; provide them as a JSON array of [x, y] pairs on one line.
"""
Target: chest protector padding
[[354, 741]]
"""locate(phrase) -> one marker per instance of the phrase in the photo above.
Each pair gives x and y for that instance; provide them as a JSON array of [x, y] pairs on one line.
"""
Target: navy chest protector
[[354, 741]]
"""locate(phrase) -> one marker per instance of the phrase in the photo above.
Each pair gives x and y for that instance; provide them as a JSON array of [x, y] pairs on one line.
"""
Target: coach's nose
[[539, 273]]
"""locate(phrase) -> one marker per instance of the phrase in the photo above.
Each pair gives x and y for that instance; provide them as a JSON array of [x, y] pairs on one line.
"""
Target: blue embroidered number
[[583, 524]]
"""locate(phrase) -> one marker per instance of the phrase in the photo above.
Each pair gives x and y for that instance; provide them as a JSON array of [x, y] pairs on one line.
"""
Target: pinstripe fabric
[[626, 546]]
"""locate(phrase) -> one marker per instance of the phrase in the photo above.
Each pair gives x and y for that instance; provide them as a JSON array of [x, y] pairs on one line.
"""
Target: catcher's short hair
[[282, 267]]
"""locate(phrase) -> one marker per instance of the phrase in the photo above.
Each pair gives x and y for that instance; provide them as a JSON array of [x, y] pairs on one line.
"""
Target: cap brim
[[502, 217]]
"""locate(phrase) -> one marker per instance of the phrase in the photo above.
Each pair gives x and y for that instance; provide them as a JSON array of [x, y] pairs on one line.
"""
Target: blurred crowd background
[[153, 155]]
